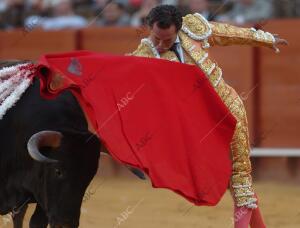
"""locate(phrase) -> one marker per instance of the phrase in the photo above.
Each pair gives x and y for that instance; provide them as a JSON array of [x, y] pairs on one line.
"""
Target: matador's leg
[[241, 180]]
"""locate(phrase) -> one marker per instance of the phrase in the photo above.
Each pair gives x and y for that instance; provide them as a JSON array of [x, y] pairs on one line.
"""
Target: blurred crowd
[[64, 14]]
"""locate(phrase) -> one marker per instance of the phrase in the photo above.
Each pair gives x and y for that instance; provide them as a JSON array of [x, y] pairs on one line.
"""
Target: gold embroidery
[[143, 50], [241, 181], [169, 55], [196, 26], [225, 34], [187, 58], [200, 58]]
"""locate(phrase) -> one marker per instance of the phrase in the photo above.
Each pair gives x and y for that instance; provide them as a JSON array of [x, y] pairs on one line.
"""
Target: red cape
[[162, 117]]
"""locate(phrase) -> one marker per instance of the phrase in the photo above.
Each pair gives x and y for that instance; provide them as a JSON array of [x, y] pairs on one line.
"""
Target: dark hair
[[165, 16]]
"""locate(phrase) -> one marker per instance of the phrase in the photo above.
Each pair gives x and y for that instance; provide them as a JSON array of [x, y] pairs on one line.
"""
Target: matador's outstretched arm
[[225, 34]]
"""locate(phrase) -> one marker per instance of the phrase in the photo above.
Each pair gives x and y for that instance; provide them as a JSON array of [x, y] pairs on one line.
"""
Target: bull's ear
[[84, 138], [80, 135]]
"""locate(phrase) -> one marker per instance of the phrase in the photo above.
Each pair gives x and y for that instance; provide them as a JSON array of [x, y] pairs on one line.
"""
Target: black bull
[[57, 185]]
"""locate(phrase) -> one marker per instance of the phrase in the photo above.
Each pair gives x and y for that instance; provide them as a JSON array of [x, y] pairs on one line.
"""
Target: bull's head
[[67, 162]]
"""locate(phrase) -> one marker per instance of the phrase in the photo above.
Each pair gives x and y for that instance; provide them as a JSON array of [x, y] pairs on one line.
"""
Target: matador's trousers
[[241, 180]]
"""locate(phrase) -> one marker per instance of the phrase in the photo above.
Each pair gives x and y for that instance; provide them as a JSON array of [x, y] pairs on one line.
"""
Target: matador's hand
[[279, 41]]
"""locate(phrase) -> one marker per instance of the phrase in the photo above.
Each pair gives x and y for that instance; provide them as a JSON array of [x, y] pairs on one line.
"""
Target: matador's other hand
[[279, 41]]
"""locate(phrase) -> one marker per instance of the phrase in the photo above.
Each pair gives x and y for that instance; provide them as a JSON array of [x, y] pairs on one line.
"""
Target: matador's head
[[164, 22]]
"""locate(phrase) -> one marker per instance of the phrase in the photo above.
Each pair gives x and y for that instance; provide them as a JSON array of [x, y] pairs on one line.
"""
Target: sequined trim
[[210, 70], [192, 48], [251, 203], [200, 57], [206, 44], [152, 47], [201, 60], [225, 34], [242, 186], [263, 36], [186, 27], [245, 194], [219, 78]]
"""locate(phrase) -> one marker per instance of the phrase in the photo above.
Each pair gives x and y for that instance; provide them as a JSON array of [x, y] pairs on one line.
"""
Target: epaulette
[[196, 26]]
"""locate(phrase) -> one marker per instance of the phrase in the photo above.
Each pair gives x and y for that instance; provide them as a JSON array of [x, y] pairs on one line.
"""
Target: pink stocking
[[256, 219], [242, 217]]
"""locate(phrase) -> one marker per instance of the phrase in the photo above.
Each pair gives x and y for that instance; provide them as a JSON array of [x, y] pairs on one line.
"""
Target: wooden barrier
[[280, 88], [268, 83], [30, 45], [238, 63], [111, 40]]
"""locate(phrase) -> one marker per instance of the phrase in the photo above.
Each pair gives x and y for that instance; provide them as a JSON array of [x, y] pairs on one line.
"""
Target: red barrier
[[30, 45], [280, 88]]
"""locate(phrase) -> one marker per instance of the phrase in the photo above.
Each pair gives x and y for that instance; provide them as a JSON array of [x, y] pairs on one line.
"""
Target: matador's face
[[163, 39]]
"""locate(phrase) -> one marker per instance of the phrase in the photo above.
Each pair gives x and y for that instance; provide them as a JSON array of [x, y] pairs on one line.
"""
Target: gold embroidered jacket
[[196, 36]]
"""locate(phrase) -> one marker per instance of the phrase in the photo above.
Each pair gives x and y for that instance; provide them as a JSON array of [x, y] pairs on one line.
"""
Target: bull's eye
[[58, 173]]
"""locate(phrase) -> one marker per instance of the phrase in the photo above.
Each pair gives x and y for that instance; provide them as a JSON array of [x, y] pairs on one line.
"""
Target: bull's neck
[[12, 177]]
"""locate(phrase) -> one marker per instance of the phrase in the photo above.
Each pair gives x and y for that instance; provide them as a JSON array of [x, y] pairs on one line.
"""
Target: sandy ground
[[131, 203]]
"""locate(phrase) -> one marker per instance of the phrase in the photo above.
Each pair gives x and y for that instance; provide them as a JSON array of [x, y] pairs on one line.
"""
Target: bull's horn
[[40, 139], [135, 171]]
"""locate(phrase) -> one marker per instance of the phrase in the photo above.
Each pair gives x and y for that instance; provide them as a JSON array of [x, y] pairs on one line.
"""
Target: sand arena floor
[[132, 203]]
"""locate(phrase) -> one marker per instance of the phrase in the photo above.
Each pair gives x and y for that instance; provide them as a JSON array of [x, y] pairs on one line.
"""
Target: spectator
[[248, 11], [14, 13], [114, 14], [287, 8], [63, 18], [37, 7], [83, 8], [3, 7], [135, 3], [139, 18], [202, 7], [100, 5], [183, 6], [170, 2]]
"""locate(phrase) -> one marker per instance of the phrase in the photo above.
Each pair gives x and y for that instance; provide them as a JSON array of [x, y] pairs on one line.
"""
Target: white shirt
[[179, 49]]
